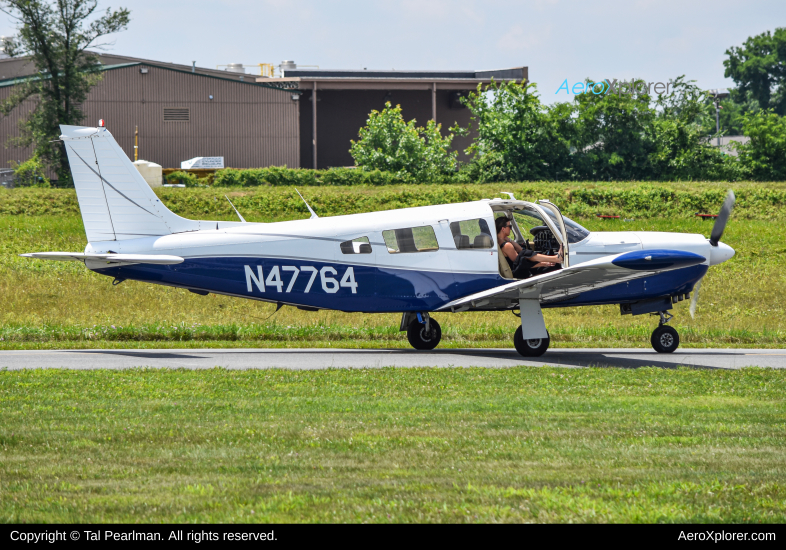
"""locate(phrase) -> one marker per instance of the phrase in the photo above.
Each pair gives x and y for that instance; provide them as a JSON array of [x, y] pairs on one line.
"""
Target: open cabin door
[[561, 224], [525, 215]]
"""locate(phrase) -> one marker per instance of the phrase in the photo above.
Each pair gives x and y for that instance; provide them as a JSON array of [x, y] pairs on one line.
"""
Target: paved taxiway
[[304, 359]]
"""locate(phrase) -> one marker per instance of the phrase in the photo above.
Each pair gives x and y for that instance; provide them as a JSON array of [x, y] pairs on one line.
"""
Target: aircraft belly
[[325, 285]]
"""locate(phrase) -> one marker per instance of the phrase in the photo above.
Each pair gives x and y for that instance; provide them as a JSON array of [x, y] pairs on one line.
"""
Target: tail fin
[[116, 202]]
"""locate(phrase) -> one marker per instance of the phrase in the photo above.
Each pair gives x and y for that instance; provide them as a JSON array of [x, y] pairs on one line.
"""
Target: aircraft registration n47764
[[413, 261]]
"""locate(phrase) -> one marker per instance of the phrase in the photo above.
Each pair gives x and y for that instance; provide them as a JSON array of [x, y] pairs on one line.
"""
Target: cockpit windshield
[[575, 232]]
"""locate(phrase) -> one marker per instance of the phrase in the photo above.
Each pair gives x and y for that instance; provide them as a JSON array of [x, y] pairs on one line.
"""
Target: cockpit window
[[410, 239], [528, 219], [469, 234], [575, 232], [356, 246]]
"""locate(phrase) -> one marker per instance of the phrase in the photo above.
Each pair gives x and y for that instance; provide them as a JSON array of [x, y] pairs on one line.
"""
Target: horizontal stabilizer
[[110, 259]]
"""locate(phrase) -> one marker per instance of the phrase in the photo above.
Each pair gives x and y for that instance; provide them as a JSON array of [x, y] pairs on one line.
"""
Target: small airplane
[[413, 261]]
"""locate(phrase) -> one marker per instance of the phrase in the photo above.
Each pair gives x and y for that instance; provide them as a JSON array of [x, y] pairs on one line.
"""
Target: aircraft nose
[[720, 253]]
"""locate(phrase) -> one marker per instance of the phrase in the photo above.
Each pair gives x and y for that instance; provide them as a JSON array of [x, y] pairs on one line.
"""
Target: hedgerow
[[641, 200]]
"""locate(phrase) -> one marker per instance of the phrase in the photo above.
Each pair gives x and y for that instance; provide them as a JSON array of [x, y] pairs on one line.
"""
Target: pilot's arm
[[558, 259], [509, 250]]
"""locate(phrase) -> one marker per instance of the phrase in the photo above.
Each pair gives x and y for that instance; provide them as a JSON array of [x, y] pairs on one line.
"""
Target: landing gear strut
[[665, 339], [424, 333]]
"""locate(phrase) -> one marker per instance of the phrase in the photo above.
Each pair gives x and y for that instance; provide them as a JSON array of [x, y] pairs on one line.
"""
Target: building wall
[[341, 114], [10, 131], [249, 125]]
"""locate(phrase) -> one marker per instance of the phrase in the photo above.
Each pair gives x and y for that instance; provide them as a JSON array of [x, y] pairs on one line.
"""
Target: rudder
[[115, 201]]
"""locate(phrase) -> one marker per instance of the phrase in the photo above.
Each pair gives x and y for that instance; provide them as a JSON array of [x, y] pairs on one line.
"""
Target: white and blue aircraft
[[413, 261]]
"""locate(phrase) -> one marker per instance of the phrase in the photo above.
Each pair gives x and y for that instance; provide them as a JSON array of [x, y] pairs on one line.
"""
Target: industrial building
[[303, 118]]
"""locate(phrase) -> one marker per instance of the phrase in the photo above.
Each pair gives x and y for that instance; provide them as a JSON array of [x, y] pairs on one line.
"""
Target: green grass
[[393, 445], [63, 305]]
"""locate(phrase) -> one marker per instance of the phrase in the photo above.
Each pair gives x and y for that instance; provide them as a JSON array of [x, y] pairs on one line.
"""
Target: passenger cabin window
[[356, 246], [471, 234], [410, 239]]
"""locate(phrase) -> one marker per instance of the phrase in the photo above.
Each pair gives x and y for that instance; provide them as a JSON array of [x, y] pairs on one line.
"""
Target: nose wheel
[[665, 339]]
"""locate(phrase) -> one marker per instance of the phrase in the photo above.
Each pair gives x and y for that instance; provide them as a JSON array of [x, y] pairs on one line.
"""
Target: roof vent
[[235, 68], [287, 65]]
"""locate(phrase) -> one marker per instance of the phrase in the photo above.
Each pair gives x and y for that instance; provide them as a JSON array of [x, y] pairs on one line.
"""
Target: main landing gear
[[533, 347], [424, 333], [665, 339], [531, 339]]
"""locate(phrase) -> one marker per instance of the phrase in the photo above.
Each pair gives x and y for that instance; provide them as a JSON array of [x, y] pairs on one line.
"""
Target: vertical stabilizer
[[116, 202]]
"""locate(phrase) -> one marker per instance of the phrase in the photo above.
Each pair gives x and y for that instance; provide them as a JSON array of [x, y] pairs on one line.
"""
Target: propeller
[[715, 237], [722, 219]]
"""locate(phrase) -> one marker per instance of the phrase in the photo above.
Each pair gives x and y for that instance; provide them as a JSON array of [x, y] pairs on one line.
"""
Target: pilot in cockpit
[[524, 262]]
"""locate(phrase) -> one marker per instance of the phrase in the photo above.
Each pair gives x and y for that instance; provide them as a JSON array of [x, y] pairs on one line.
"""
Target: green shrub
[[30, 173], [415, 154], [764, 156], [277, 176], [188, 179]]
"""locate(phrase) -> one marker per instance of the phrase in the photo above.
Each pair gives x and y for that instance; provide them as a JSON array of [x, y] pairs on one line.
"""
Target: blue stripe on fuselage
[[379, 289]]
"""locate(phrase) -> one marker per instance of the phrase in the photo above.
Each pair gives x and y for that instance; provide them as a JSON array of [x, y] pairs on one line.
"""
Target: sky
[[655, 40]]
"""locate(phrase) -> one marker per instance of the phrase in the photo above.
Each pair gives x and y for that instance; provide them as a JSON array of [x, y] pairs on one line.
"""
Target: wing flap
[[571, 281], [109, 259]]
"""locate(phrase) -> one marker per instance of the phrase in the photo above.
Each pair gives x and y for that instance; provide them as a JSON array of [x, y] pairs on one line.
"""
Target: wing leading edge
[[568, 282]]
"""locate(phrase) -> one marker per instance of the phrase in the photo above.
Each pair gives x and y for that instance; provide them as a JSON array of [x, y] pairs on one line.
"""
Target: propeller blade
[[695, 299], [722, 219]]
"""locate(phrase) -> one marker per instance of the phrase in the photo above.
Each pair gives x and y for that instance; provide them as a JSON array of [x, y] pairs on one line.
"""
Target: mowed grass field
[[393, 445], [385, 445], [62, 304]]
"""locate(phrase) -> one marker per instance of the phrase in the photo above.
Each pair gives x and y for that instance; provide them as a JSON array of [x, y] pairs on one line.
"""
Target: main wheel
[[534, 347], [665, 339], [420, 339]]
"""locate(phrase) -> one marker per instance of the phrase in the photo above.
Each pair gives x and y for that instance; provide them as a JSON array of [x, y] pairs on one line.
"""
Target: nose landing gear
[[665, 339]]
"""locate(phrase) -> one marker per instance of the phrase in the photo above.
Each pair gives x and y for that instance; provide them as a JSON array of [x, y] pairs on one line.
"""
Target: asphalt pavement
[[307, 359]]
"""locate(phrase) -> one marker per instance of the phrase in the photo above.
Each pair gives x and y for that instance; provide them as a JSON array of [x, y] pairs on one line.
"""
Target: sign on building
[[202, 162]]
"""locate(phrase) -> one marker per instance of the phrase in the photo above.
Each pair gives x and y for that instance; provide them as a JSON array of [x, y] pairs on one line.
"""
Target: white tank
[[287, 66], [236, 68], [152, 172]]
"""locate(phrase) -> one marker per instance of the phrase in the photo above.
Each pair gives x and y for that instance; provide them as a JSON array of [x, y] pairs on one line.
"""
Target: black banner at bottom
[[407, 534]]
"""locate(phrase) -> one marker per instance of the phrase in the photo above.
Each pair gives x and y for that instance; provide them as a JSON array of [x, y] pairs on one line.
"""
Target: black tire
[[419, 339], [530, 348], [665, 339]]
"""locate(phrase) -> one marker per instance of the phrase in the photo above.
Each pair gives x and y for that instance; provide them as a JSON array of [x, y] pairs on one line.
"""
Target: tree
[[681, 150], [764, 156], [390, 144], [518, 138], [613, 138], [56, 36], [759, 69]]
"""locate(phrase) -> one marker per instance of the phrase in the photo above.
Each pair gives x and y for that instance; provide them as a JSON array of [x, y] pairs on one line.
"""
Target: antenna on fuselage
[[235, 209], [313, 214], [508, 193]]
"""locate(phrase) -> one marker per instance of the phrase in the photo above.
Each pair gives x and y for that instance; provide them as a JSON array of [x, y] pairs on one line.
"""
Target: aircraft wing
[[566, 283], [110, 260]]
